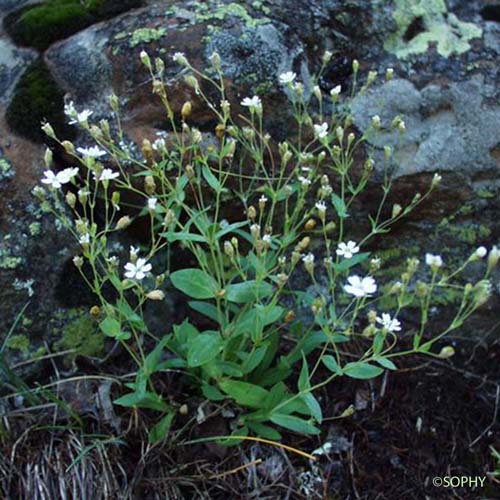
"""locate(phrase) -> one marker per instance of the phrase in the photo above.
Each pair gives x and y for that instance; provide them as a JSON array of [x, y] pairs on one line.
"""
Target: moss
[[8, 261], [220, 11], [41, 25], [421, 22], [19, 343], [81, 334], [36, 99], [35, 228], [145, 35], [6, 171]]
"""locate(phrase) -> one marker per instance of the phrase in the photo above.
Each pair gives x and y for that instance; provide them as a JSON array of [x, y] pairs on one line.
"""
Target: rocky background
[[445, 57]]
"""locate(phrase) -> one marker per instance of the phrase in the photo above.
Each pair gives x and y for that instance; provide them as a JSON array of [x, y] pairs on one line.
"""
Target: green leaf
[[230, 228], [205, 308], [252, 360], [264, 431], [203, 349], [211, 392], [248, 291], [147, 400], [244, 393], [386, 363], [111, 327], [331, 363], [304, 383], [183, 236], [314, 406], [153, 358], [212, 181], [295, 424], [195, 283], [362, 370], [346, 264], [340, 206], [160, 430]]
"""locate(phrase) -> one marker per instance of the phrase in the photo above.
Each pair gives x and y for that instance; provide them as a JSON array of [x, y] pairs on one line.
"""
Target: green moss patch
[[37, 99], [41, 25]]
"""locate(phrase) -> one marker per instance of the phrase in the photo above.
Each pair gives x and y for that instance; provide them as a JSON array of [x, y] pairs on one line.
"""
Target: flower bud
[[376, 121], [159, 65], [48, 158], [282, 279], [327, 56], [339, 131], [155, 295], [255, 231], [252, 213], [295, 257], [493, 257], [355, 66], [149, 184], [303, 243], [396, 210], [70, 199], [145, 59], [375, 264], [396, 288], [115, 199], [78, 261], [421, 289], [310, 225], [123, 222], [68, 147], [372, 75], [190, 173], [186, 110], [215, 60], [389, 74], [114, 102], [317, 93], [228, 249], [95, 311], [436, 179], [446, 352], [169, 218], [49, 131]]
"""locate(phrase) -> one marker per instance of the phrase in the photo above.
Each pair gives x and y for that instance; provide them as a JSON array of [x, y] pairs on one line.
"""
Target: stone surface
[[449, 100]]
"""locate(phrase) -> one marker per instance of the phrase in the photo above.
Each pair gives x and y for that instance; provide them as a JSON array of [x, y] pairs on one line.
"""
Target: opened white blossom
[[180, 58], [92, 152], [347, 250], [56, 180], [138, 269], [107, 175], [304, 181], [159, 144], [152, 203], [263, 199], [321, 207], [84, 239], [321, 131], [336, 90], [252, 102], [287, 77], [481, 252], [433, 260], [390, 324], [360, 287], [76, 117]]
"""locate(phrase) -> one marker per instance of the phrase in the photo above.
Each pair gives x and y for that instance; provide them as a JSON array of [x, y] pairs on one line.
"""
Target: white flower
[[308, 259], [390, 324], [360, 287], [347, 250], [159, 144], [321, 206], [137, 270], [266, 239], [152, 202], [180, 58], [304, 181], [321, 131], [84, 239], [436, 179], [481, 252], [263, 199], [81, 117], [107, 175], [287, 77], [433, 260], [69, 109], [93, 152], [62, 177], [336, 91], [252, 102]]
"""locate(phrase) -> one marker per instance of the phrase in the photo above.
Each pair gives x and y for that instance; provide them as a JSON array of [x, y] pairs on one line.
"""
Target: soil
[[432, 418]]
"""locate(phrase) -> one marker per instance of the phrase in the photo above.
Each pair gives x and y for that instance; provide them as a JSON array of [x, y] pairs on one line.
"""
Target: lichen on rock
[[422, 22]]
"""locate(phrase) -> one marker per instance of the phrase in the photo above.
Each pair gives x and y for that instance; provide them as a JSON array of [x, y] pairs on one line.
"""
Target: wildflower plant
[[297, 200]]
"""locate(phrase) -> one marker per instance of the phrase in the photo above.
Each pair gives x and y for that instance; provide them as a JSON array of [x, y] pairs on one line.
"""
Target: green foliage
[[41, 25], [37, 98], [82, 334], [298, 201]]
